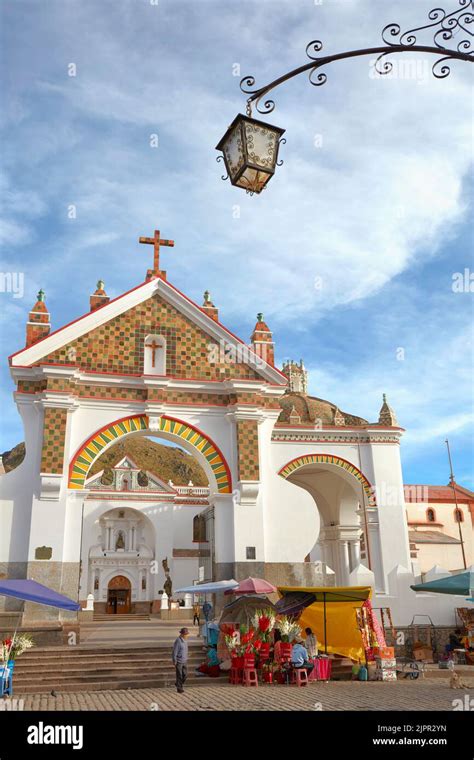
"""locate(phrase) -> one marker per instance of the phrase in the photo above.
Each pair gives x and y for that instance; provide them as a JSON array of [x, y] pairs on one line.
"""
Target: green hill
[[168, 463]]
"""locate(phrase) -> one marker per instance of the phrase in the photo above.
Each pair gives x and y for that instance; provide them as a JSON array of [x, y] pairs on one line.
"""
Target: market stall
[[335, 615], [27, 591]]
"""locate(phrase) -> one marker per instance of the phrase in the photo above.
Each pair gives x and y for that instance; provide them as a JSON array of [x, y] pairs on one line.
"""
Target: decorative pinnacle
[[100, 285], [384, 398], [259, 317], [207, 296], [40, 295]]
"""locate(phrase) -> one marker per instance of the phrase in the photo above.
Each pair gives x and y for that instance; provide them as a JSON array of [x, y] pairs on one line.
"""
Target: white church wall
[[185, 571], [404, 603], [386, 476], [17, 487]]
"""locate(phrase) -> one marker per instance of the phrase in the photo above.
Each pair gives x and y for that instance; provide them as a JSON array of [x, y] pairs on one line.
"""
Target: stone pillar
[[345, 562], [354, 548]]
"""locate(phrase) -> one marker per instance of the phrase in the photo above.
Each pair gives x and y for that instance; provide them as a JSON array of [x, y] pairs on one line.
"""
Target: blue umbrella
[[31, 591]]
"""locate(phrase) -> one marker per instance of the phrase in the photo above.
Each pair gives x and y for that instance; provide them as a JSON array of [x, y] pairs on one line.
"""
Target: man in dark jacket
[[180, 659]]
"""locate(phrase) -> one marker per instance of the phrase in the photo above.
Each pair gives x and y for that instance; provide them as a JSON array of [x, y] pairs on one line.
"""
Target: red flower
[[264, 624], [247, 637]]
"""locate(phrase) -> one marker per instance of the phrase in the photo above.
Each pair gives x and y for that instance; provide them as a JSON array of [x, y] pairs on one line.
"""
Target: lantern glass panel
[[262, 145], [253, 180], [234, 151]]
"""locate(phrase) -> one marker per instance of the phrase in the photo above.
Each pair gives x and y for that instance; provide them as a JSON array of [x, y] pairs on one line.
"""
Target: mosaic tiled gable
[[54, 435], [247, 446], [118, 346]]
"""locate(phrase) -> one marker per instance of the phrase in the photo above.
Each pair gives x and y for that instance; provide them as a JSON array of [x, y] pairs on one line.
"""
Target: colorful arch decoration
[[289, 468], [99, 441]]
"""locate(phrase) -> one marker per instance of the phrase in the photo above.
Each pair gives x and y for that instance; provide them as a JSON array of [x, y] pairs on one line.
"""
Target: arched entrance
[[186, 435], [119, 596], [348, 534]]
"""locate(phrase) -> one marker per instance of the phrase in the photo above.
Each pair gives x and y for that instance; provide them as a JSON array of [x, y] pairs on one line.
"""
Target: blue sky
[[380, 211]]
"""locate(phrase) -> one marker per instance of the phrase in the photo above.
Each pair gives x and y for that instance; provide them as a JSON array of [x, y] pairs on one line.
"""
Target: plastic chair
[[299, 676], [250, 677], [235, 675]]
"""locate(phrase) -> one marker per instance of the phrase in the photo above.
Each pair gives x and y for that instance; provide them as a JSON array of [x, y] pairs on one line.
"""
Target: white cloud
[[382, 195]]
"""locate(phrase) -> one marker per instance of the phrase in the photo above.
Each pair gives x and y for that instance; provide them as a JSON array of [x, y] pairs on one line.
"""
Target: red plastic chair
[[236, 669], [250, 677], [299, 676]]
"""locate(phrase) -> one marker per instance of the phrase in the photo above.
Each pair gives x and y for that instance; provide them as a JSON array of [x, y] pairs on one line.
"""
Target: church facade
[[134, 526], [300, 492]]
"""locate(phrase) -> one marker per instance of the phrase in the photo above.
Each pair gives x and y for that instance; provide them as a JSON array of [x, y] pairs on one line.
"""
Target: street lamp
[[250, 147], [250, 152]]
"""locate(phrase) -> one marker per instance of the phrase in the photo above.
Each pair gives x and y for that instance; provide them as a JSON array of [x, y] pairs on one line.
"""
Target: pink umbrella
[[252, 586]]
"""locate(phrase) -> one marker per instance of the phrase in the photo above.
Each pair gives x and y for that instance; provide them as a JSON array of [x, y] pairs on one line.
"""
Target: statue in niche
[[120, 542], [165, 566]]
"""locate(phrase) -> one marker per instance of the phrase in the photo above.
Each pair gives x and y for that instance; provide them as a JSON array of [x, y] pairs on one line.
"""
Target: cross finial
[[156, 241]]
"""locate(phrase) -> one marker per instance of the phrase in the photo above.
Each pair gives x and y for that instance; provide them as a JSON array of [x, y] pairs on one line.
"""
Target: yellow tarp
[[343, 634]]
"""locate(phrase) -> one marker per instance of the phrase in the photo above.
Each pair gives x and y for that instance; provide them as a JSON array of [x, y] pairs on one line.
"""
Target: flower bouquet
[[289, 629], [264, 621], [13, 648]]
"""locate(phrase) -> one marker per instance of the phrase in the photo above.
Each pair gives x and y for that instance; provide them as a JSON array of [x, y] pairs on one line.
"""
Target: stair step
[[105, 686]]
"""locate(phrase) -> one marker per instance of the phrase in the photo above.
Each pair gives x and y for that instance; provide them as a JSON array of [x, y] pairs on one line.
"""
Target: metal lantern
[[250, 152]]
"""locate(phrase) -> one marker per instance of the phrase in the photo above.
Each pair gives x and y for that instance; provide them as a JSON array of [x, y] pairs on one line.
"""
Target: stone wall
[[439, 638]]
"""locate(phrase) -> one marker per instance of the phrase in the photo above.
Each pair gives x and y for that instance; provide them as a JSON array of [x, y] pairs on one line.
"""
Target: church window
[[96, 583], [144, 583], [199, 529], [458, 515], [430, 515], [251, 552]]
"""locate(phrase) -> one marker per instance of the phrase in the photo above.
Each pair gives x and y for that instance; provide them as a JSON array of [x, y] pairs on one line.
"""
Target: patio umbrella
[[242, 609], [461, 584], [32, 591], [212, 587], [253, 586]]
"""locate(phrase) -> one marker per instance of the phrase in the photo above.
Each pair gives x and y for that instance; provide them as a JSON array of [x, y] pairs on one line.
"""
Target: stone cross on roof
[[156, 241]]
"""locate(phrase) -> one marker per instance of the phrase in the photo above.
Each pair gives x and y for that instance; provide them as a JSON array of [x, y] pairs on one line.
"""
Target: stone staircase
[[341, 669], [93, 669], [103, 617]]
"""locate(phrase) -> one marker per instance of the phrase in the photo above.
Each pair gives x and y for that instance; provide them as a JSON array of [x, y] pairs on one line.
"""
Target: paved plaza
[[426, 694]]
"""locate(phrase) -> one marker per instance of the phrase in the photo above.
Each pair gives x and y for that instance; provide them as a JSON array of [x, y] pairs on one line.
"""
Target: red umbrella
[[252, 586]]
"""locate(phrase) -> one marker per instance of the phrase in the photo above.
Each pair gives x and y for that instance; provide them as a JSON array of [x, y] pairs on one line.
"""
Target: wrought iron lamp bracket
[[444, 28]]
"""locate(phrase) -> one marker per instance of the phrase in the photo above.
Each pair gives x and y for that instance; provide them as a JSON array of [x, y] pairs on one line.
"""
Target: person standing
[[311, 643], [207, 609], [196, 614], [180, 659]]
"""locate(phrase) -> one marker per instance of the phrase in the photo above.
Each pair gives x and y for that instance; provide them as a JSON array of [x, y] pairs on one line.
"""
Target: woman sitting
[[211, 666]]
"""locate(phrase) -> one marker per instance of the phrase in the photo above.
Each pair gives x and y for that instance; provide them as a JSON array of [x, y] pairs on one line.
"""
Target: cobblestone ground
[[428, 694]]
